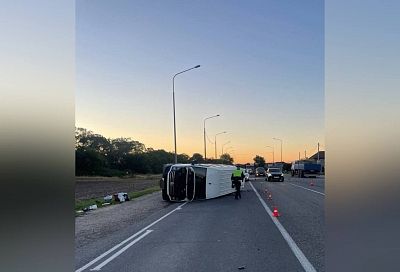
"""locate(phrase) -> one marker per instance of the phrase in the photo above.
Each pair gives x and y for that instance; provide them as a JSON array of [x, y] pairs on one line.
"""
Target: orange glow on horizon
[[242, 154]]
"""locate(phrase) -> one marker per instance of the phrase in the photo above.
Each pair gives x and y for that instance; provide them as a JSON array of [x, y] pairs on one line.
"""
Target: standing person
[[237, 177]]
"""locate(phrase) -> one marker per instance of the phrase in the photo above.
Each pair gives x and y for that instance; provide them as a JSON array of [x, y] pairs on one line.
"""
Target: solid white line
[[119, 252], [127, 240], [305, 263], [306, 189]]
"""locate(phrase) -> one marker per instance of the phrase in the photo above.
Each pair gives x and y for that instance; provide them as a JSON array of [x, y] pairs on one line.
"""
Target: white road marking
[[128, 239], [119, 252], [306, 189], [305, 263]]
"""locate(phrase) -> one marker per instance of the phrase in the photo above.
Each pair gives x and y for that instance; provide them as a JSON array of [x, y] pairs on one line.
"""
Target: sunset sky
[[262, 70]]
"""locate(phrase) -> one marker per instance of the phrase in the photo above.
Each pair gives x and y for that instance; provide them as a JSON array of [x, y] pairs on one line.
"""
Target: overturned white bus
[[187, 182]]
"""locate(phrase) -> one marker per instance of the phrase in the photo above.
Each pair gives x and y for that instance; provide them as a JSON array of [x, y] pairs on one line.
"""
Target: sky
[[262, 70]]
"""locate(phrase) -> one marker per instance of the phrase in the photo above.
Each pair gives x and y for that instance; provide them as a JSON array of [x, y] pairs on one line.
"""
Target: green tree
[[97, 155], [86, 139], [226, 159], [197, 157], [259, 161], [137, 163], [121, 147], [183, 158], [157, 158], [88, 162]]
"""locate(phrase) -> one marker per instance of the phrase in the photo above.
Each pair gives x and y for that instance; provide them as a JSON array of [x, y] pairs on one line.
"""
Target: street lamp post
[[173, 103], [281, 146], [215, 142], [222, 151], [205, 143], [273, 153]]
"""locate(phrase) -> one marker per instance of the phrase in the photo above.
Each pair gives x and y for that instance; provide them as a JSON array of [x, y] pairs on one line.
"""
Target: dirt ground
[[93, 187]]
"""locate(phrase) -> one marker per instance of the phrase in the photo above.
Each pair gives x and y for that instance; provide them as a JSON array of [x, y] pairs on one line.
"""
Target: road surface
[[221, 234]]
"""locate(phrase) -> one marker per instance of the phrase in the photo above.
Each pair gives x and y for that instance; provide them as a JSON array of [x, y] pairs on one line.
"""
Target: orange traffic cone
[[275, 212]]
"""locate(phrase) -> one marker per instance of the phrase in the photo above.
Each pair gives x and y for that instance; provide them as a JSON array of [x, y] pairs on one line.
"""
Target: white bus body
[[186, 182]]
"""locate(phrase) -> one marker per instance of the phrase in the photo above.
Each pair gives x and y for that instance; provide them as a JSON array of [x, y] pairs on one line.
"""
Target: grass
[[129, 177], [81, 204], [144, 192]]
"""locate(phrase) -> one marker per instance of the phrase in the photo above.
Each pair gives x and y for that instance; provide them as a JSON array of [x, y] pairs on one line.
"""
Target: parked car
[[274, 174], [260, 171]]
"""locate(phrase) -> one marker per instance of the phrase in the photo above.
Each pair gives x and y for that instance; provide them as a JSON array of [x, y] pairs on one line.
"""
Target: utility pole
[[318, 154], [305, 154]]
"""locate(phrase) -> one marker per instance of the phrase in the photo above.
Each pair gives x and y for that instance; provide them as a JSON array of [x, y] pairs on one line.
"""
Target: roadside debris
[[241, 267], [121, 197], [108, 198]]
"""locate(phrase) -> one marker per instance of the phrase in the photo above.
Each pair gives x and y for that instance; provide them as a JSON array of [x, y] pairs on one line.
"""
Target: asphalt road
[[221, 234]]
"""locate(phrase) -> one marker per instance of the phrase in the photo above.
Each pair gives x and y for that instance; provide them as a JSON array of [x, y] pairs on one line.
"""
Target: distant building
[[321, 156]]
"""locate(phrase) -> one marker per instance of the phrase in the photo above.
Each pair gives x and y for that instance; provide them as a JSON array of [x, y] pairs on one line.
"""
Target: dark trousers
[[237, 187]]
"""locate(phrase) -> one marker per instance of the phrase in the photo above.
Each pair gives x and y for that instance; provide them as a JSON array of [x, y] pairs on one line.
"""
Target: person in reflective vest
[[237, 177]]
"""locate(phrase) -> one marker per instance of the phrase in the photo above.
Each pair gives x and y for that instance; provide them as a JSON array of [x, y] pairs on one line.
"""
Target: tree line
[[98, 155]]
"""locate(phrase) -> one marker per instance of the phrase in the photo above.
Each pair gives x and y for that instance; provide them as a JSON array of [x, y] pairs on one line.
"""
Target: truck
[[305, 168]]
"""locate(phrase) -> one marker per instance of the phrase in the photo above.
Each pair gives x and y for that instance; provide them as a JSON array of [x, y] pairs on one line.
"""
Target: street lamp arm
[[211, 117], [197, 66]]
